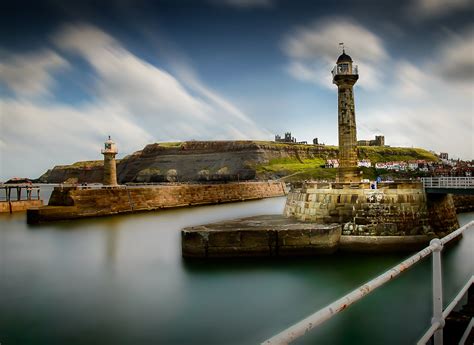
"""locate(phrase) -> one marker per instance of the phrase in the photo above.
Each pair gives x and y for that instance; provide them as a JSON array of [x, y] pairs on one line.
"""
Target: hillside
[[224, 160]]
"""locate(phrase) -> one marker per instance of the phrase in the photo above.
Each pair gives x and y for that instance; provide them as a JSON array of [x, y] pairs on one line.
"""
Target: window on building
[[343, 68]]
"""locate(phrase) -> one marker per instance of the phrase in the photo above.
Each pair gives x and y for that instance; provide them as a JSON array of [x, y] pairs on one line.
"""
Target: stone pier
[[269, 235], [393, 209], [77, 202]]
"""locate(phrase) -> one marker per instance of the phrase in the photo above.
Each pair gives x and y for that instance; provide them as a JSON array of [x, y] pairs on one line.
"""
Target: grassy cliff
[[226, 160], [294, 169]]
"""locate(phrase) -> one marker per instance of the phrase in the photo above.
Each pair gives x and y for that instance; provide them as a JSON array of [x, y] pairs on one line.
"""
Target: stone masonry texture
[[72, 202], [348, 171], [393, 209]]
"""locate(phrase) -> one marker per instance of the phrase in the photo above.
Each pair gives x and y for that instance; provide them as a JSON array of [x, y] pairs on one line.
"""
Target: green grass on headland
[[306, 169], [391, 154]]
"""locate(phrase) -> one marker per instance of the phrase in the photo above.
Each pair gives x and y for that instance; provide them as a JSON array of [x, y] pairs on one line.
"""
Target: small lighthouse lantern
[[109, 146], [344, 65], [110, 167]]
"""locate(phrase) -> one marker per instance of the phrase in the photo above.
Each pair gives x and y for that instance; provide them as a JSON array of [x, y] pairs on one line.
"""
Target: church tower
[[110, 170], [345, 75]]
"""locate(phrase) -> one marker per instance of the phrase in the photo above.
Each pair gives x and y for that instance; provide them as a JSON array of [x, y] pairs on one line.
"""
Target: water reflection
[[122, 280]]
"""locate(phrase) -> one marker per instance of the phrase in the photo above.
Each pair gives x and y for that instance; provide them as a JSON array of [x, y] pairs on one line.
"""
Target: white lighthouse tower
[[110, 169]]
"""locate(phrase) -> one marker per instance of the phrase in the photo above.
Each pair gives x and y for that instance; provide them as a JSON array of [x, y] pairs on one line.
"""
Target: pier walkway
[[449, 185]]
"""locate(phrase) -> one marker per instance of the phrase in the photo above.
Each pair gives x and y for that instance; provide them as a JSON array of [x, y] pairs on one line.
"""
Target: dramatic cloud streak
[[437, 8], [314, 48], [134, 101], [31, 74]]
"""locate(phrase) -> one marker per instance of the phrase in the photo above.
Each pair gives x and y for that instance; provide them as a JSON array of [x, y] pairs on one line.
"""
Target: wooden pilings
[[29, 188], [28, 198]]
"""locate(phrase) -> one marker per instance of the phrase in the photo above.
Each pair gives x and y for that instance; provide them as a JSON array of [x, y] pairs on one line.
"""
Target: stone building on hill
[[379, 141]]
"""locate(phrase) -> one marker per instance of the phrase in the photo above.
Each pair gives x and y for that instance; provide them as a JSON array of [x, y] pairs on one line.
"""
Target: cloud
[[313, 50], [245, 4], [135, 101], [424, 108], [31, 74], [456, 61], [438, 8]]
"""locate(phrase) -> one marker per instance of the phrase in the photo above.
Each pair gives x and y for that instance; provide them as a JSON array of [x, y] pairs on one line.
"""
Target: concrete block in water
[[270, 235]]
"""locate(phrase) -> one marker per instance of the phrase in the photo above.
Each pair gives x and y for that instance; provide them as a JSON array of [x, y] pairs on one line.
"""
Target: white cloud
[[422, 108], [30, 74], [437, 8], [456, 57], [314, 50], [135, 102]]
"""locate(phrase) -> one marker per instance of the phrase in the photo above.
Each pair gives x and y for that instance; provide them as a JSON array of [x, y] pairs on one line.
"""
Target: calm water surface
[[121, 280]]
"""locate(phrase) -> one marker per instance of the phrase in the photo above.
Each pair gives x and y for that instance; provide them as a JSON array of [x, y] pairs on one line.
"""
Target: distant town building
[[364, 163], [378, 141], [444, 155], [332, 163]]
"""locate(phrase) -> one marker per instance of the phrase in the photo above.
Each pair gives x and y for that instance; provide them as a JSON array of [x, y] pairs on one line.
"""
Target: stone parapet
[[72, 202]]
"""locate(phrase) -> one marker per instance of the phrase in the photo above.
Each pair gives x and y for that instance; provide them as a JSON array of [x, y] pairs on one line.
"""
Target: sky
[[74, 72]]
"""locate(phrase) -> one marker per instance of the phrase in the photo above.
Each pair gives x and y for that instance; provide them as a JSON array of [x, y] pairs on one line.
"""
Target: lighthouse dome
[[344, 58]]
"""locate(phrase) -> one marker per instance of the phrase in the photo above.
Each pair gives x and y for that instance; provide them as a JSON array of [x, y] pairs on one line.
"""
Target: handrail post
[[437, 291]]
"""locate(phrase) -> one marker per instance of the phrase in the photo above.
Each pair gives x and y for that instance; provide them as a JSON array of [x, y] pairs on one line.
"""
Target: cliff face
[[197, 161]]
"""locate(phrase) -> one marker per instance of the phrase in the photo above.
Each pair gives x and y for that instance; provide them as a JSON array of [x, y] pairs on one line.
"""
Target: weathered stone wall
[[442, 212], [463, 203], [392, 209], [272, 235], [17, 206], [68, 203]]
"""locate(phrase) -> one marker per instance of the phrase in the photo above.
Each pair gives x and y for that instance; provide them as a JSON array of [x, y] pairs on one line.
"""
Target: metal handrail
[[448, 182], [436, 245], [355, 71]]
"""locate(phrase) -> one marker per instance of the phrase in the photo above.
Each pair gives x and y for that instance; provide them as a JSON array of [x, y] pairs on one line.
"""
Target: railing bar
[[466, 332], [456, 233], [429, 333], [315, 319], [326, 313], [458, 297]]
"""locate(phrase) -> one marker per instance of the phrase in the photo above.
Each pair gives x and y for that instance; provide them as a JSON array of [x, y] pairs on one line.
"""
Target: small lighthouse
[[345, 75], [110, 170]]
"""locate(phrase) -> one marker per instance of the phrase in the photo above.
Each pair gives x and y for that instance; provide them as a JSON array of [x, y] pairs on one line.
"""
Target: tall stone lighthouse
[[345, 75], [110, 169]]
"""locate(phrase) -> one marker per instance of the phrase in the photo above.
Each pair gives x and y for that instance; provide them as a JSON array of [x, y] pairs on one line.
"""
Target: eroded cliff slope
[[221, 161]]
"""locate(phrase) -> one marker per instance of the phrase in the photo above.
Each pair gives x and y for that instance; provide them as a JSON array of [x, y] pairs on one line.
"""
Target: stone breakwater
[[17, 206], [269, 235], [279, 236], [394, 209], [464, 203], [73, 202]]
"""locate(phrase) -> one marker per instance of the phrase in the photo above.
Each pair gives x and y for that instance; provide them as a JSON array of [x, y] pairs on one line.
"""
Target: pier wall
[[392, 209], [268, 235], [72, 202], [17, 206], [463, 203]]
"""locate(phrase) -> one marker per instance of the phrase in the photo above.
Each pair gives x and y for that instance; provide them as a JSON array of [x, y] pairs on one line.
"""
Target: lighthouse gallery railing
[[437, 323]]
